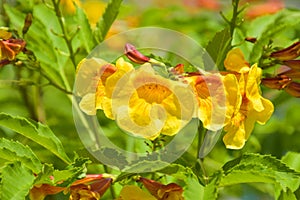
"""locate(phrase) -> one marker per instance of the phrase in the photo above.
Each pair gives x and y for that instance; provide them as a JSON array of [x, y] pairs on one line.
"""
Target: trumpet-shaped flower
[[217, 98], [253, 108], [91, 80], [146, 104]]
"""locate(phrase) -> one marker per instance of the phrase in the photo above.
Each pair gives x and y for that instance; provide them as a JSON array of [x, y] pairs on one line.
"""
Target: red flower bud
[[163, 192], [134, 55]]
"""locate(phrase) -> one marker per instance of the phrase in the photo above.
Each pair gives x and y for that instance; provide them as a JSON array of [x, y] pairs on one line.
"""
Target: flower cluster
[[290, 71], [92, 187], [147, 103], [9, 47]]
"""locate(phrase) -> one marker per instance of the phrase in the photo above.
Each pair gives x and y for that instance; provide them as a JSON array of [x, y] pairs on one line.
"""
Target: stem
[[201, 135], [205, 176], [111, 188], [64, 32], [233, 21]]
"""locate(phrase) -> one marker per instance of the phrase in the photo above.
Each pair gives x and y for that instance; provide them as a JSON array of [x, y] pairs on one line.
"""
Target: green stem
[[111, 188], [233, 21], [64, 32], [201, 135]]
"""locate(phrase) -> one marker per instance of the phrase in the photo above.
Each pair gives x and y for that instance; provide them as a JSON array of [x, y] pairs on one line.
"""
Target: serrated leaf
[[280, 23], [85, 33], [16, 181], [260, 168], [218, 47], [37, 132], [15, 151], [178, 171], [292, 159], [110, 14]]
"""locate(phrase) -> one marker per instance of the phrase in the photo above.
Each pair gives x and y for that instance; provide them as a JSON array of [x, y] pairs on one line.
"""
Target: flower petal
[[235, 61]]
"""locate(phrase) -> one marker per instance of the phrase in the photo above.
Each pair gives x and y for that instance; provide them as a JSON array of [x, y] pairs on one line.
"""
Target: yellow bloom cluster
[[146, 104]]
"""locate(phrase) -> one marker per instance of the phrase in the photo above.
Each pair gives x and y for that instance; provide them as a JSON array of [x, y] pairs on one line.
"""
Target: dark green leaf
[[15, 151], [110, 14], [16, 181], [218, 47], [37, 132]]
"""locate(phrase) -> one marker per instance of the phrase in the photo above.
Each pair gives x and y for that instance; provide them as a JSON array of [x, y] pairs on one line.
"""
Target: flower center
[[153, 93]]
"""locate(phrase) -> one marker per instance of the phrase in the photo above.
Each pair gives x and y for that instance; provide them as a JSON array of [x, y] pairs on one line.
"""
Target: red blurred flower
[[259, 8]]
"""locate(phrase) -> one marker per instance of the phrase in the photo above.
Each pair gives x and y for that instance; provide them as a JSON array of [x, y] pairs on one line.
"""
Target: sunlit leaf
[[37, 132], [15, 151]]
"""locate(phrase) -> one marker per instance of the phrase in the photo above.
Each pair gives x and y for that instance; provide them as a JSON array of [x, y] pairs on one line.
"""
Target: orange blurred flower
[[260, 8]]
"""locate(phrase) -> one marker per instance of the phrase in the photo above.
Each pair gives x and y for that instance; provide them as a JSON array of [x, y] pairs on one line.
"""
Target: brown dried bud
[[276, 82], [27, 23], [134, 55], [293, 89], [251, 39], [288, 53], [294, 64]]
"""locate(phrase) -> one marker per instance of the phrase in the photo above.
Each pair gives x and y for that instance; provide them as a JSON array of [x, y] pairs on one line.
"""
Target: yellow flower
[[146, 104], [94, 10], [217, 98], [235, 61], [91, 76], [68, 6], [253, 108]]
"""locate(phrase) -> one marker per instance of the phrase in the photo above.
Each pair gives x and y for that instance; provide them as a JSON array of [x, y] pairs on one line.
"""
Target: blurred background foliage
[[199, 19]]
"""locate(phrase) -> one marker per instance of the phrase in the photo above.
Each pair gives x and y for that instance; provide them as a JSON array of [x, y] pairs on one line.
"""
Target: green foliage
[[35, 131], [219, 46], [284, 21], [57, 41], [109, 16], [15, 151], [260, 168], [16, 181]]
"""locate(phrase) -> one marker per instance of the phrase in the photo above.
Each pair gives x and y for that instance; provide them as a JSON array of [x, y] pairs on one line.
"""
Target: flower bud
[[134, 55], [293, 89], [279, 82], [288, 53], [294, 64]]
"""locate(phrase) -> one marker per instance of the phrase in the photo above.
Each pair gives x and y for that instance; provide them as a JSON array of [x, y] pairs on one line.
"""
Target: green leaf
[[37, 132], [85, 33], [281, 22], [292, 159], [16, 181], [178, 171], [260, 168], [194, 189], [288, 195], [218, 47], [15, 151], [110, 14]]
